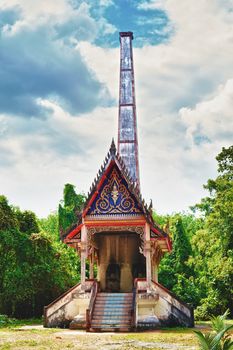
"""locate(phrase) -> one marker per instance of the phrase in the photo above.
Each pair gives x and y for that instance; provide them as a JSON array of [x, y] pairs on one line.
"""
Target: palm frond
[[204, 340], [216, 340], [228, 345], [218, 323]]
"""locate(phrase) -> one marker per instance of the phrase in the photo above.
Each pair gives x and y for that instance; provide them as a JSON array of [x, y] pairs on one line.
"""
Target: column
[[91, 265], [155, 277], [83, 254], [148, 255]]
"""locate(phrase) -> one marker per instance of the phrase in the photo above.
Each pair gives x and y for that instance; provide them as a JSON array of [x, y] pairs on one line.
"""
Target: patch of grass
[[63, 339], [8, 322], [185, 337]]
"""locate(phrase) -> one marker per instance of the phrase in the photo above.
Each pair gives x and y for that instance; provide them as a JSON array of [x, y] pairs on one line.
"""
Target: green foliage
[[6, 321], [27, 221], [175, 272], [219, 338], [35, 267], [50, 226], [200, 268], [72, 205], [7, 217], [213, 246]]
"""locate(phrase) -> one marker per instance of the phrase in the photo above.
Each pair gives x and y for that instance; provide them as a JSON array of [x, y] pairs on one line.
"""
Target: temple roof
[[113, 161]]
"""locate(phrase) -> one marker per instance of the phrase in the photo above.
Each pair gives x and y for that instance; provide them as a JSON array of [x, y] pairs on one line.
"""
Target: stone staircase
[[112, 312]]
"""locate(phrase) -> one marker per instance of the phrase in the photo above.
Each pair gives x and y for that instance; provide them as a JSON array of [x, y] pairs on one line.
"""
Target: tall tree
[[69, 208], [35, 267], [214, 244], [175, 271]]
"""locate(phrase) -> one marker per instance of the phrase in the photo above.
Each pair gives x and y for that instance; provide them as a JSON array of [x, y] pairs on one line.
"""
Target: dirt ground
[[36, 337]]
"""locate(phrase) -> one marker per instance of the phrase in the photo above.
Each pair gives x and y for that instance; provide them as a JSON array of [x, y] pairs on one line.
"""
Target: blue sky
[[150, 25], [59, 71]]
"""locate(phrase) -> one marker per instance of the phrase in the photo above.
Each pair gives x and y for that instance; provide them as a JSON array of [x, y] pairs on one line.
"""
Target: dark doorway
[[113, 278]]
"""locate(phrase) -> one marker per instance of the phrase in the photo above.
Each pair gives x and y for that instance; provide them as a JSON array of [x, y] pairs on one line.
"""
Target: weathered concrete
[[158, 307], [71, 305]]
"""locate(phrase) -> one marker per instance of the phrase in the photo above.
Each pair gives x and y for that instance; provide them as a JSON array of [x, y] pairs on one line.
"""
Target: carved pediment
[[114, 197]]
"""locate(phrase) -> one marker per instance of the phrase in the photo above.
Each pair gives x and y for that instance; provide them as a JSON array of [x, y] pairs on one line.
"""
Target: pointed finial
[[113, 148], [166, 227], [151, 205]]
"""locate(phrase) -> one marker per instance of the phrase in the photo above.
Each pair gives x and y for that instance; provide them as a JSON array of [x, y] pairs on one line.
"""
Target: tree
[[7, 217], [72, 205], [213, 245], [27, 221], [50, 226], [35, 267], [175, 272]]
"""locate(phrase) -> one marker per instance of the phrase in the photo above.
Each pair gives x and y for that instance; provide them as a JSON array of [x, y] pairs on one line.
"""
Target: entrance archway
[[119, 260]]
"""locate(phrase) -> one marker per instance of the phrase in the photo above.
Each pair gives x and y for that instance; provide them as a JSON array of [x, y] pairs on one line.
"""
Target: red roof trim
[[73, 233], [115, 223], [169, 244], [167, 238], [155, 230], [101, 181]]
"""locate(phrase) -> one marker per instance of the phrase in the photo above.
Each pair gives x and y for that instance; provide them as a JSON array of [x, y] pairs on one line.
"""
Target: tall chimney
[[127, 121]]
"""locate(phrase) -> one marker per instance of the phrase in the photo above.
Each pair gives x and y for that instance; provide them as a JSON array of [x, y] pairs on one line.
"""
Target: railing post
[[134, 305], [88, 322], [89, 311]]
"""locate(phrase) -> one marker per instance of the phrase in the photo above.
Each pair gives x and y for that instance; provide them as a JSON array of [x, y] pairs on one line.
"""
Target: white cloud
[[174, 83], [211, 120], [151, 5], [74, 22], [35, 13], [184, 98], [38, 170]]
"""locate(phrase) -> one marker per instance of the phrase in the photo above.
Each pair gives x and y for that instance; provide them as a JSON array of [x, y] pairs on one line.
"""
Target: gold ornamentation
[[115, 198], [115, 194]]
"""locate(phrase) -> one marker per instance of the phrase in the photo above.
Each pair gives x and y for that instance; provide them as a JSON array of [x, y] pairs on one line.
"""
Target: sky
[[59, 85]]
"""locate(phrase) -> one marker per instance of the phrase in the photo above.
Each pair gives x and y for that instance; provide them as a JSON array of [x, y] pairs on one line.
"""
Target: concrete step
[[110, 329], [113, 305], [114, 294], [103, 318], [112, 324], [114, 298], [112, 312]]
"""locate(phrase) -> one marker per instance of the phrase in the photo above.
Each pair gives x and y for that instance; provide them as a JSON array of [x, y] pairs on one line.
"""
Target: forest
[[36, 267]]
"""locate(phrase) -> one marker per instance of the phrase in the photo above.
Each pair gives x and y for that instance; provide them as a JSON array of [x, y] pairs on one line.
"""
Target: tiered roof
[[112, 160]]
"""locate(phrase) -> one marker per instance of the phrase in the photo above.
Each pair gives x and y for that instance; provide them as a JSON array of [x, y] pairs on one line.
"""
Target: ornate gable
[[114, 197]]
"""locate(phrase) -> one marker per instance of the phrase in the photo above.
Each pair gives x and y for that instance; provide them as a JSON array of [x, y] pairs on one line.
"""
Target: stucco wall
[[69, 306]]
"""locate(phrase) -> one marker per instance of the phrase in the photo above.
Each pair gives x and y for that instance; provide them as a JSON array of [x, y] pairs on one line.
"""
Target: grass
[[7, 322], [18, 337]]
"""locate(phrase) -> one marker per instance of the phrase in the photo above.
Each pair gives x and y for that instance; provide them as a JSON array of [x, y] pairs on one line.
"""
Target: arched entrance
[[119, 260]]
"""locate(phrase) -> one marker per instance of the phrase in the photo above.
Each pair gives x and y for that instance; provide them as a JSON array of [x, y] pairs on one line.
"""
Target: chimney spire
[[127, 145]]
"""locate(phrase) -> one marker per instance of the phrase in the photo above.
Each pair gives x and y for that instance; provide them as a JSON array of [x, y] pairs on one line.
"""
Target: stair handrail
[[171, 294], [134, 303], [189, 307], [90, 310], [58, 299]]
